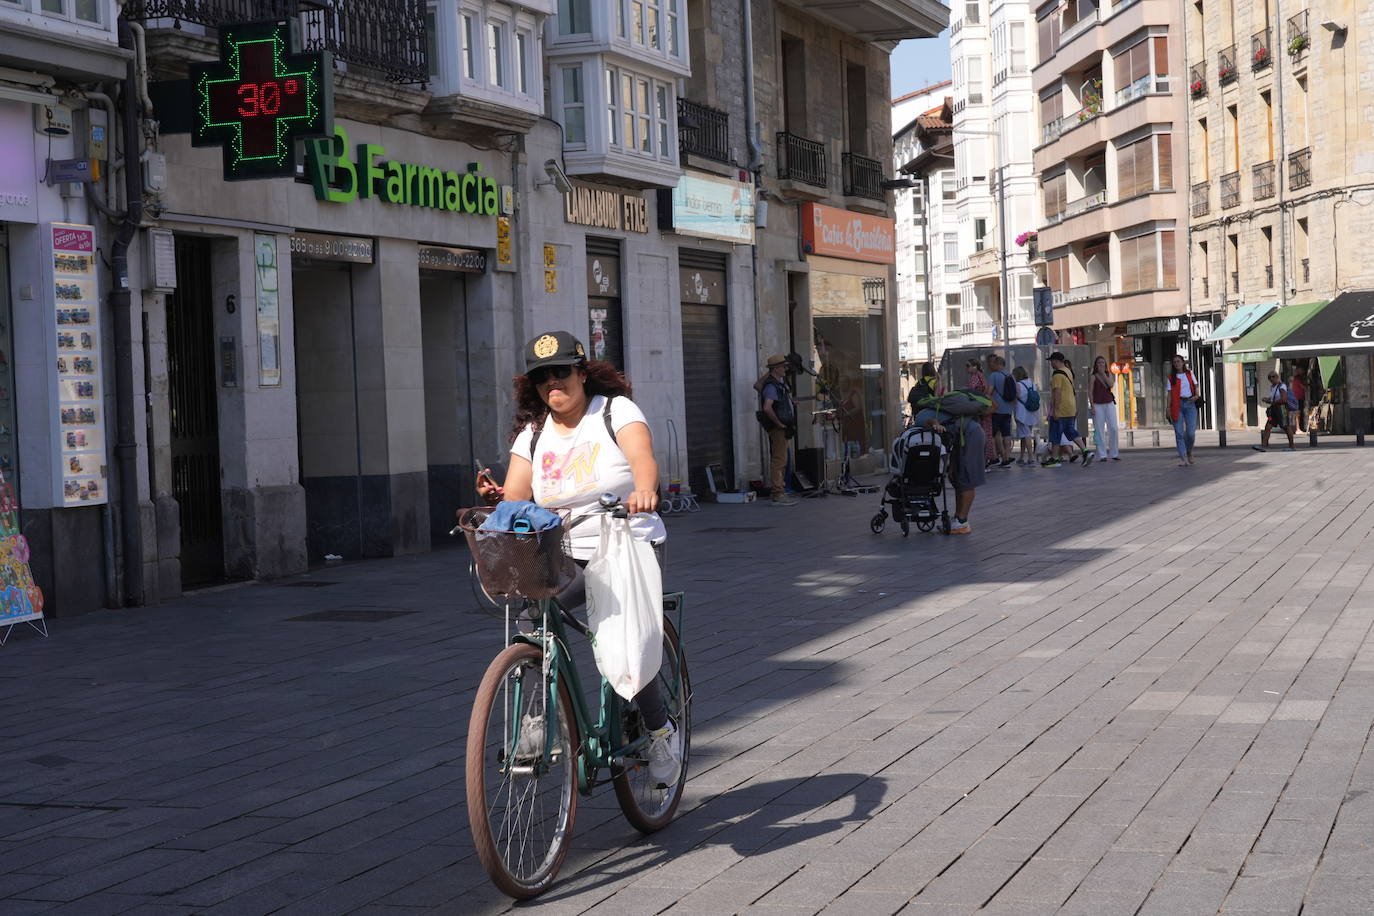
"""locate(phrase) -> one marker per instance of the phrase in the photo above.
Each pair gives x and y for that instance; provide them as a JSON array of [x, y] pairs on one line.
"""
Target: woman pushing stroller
[[945, 438]]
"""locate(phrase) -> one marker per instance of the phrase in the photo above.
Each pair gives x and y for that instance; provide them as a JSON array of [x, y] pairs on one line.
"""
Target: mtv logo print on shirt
[[563, 477]]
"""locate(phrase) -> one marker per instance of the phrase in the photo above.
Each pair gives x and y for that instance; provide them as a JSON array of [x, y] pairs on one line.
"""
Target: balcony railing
[[387, 37], [800, 159], [1300, 169], [1235, 281], [1081, 293], [1306, 272], [703, 131], [1268, 276], [1078, 28], [1226, 65], [1297, 34], [1085, 203], [1205, 288], [1052, 131], [1202, 198], [863, 177], [1264, 180], [1197, 81], [1261, 52], [1230, 190]]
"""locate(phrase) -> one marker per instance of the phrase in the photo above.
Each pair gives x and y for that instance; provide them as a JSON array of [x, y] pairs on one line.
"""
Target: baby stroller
[[911, 495]]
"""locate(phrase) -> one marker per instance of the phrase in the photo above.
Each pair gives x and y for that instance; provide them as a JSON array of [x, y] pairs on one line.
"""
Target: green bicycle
[[533, 745]]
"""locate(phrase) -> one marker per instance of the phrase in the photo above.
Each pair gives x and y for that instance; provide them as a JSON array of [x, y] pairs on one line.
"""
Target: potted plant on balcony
[[1092, 102], [1029, 240], [1296, 46], [1197, 88], [1225, 72], [1261, 56]]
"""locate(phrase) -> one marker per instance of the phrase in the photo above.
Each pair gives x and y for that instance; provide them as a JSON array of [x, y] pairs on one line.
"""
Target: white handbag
[[625, 608]]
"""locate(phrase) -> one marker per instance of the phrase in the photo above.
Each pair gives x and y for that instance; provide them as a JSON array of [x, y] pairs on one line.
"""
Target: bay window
[[574, 106], [496, 53], [1055, 193], [1142, 68]]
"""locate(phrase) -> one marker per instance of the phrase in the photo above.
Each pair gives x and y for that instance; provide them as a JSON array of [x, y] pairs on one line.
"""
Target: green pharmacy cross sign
[[259, 97]]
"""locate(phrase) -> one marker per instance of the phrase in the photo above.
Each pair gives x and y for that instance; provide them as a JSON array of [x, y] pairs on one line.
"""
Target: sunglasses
[[544, 373]]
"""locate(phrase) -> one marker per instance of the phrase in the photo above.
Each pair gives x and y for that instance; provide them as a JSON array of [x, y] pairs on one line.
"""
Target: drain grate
[[737, 529], [307, 583], [350, 615]]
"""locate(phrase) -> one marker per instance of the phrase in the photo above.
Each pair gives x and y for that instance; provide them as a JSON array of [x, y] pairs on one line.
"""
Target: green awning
[[1330, 367], [1259, 343]]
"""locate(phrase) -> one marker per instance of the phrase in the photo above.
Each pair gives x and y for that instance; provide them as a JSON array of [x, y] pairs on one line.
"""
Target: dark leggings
[[650, 697]]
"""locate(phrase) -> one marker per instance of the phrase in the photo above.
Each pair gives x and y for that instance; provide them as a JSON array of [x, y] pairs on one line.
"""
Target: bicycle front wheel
[[646, 806], [522, 801]]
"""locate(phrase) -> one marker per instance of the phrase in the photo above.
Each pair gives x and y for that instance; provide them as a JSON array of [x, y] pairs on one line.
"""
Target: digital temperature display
[[260, 97]]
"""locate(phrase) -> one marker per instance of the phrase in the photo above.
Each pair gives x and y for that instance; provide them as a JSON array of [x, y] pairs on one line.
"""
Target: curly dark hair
[[530, 410]]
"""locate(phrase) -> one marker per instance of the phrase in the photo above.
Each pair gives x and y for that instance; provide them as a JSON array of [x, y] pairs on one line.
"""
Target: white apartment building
[[993, 115], [913, 235]]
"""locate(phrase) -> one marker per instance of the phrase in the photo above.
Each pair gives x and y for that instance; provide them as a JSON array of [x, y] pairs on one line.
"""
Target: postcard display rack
[[80, 396]]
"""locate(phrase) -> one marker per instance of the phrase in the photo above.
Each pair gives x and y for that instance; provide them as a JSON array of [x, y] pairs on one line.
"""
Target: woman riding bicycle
[[574, 419]]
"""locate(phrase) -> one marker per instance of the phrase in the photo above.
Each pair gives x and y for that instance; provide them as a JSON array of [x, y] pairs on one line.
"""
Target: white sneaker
[[665, 755]]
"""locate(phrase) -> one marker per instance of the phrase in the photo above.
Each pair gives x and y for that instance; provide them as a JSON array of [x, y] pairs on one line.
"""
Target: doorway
[[448, 405], [706, 369], [193, 395]]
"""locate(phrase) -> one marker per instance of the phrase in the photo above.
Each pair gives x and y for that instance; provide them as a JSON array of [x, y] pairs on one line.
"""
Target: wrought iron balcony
[[1261, 54], [1268, 276], [1300, 169], [800, 159], [703, 131], [1202, 198], [1306, 272], [1230, 190], [1226, 65], [1205, 291], [1297, 34], [1235, 281], [863, 177], [1264, 180], [386, 37], [1197, 81]]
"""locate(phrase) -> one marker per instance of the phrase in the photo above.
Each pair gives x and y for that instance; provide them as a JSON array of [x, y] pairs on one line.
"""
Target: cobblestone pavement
[[1134, 688]]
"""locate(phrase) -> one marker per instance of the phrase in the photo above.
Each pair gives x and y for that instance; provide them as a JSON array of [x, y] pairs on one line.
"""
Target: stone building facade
[[917, 234], [1281, 154]]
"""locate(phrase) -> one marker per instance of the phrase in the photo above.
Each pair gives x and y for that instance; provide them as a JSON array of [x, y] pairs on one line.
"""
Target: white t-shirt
[[1025, 416], [1185, 388], [572, 471]]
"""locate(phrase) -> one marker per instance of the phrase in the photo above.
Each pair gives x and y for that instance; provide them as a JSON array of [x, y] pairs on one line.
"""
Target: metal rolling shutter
[[706, 368]]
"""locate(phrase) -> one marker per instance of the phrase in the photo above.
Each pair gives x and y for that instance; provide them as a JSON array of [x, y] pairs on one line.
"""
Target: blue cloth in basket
[[521, 516]]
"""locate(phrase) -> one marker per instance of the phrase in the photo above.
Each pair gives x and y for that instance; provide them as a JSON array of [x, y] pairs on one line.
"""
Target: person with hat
[[777, 414], [1064, 413], [576, 436]]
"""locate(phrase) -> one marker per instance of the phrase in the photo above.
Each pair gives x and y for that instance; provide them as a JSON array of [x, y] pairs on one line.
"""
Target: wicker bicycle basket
[[517, 564]]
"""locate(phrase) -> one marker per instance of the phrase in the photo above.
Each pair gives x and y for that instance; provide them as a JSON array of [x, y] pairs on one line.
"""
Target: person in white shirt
[[1279, 413], [576, 436], [1026, 419]]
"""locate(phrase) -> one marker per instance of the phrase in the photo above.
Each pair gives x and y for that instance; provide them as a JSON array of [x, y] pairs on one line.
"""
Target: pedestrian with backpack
[[1282, 406], [1004, 396], [1104, 412], [927, 386], [1027, 414], [978, 382]]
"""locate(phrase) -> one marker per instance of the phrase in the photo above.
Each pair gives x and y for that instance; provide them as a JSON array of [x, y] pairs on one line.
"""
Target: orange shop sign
[[846, 234]]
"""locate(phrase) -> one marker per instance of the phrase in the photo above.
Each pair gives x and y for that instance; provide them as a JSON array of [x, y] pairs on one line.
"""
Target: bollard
[[1130, 438], [1312, 438], [1154, 437], [1221, 438]]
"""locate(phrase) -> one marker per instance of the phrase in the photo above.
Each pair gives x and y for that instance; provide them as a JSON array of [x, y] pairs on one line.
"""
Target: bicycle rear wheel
[[520, 805], [647, 807]]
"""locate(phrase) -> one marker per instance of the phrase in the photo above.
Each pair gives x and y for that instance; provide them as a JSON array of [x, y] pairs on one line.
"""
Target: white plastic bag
[[625, 608]]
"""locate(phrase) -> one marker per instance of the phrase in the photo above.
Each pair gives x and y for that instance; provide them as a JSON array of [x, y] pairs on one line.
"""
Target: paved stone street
[[1134, 688]]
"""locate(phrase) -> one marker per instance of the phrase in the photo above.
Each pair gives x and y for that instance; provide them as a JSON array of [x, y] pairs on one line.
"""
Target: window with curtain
[[1057, 273], [1049, 33], [1055, 192], [1051, 107], [1142, 68], [1148, 262], [1145, 165]]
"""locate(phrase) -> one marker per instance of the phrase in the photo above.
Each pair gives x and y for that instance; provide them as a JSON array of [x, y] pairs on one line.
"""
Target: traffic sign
[[1043, 299], [1045, 337]]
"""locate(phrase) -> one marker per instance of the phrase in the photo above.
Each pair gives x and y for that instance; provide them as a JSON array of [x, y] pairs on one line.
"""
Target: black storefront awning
[[1346, 325]]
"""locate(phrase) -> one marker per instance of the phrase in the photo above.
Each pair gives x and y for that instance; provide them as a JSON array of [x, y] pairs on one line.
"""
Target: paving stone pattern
[[1133, 689]]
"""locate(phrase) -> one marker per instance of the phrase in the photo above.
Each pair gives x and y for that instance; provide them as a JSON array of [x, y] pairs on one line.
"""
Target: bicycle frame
[[602, 742]]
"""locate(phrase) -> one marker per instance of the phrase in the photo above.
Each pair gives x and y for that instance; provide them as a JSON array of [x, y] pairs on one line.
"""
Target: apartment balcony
[[863, 177], [1092, 127], [702, 131], [881, 20], [1261, 51], [985, 266], [1230, 190], [802, 160], [1226, 66], [1300, 169], [1084, 204], [1264, 180], [382, 38], [1297, 36], [1083, 293], [1202, 192], [1078, 28], [1197, 81]]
